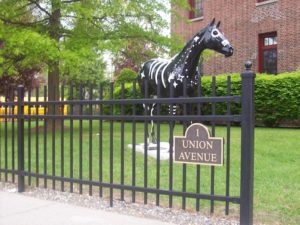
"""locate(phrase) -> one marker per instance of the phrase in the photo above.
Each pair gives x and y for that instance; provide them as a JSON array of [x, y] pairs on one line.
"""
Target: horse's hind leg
[[151, 135], [152, 131]]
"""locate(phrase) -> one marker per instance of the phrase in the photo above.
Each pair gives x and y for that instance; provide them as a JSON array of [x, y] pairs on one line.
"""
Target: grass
[[277, 175], [277, 160]]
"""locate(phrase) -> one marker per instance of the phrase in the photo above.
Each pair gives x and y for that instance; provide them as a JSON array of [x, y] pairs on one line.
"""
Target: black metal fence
[[83, 148]]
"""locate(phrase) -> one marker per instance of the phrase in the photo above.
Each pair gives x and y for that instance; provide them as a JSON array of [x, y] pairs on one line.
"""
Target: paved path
[[17, 209]]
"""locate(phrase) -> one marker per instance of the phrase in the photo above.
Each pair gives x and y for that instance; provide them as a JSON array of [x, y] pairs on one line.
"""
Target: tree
[[20, 57], [126, 75], [134, 54], [68, 37], [26, 77], [78, 31]]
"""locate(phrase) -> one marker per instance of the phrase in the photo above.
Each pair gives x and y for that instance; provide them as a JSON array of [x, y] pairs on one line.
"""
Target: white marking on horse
[[163, 71], [157, 71], [225, 42], [153, 68], [171, 77], [180, 78], [196, 38]]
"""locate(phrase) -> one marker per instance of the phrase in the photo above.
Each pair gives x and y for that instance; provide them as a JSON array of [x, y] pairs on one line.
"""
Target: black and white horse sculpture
[[184, 65]]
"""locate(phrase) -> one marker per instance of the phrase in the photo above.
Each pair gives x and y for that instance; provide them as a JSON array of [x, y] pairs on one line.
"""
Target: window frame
[[262, 47], [264, 2], [192, 15]]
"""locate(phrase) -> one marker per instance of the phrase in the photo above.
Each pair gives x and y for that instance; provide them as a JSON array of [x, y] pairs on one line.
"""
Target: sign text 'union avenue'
[[198, 147]]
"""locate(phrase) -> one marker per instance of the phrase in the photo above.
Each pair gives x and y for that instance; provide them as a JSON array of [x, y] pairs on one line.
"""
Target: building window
[[196, 10], [268, 53]]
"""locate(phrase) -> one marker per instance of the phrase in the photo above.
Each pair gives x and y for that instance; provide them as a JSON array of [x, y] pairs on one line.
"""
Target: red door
[[268, 53]]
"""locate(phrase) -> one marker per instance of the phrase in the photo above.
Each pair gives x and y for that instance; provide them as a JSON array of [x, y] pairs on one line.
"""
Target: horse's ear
[[212, 22], [218, 24]]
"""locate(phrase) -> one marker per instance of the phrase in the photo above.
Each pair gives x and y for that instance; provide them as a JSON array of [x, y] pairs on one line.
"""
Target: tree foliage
[[126, 75], [27, 77], [70, 36], [134, 54]]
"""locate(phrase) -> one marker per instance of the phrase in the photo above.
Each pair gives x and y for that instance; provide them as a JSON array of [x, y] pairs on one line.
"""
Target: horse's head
[[214, 39]]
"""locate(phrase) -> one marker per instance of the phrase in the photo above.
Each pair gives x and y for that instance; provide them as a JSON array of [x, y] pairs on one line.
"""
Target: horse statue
[[183, 66]]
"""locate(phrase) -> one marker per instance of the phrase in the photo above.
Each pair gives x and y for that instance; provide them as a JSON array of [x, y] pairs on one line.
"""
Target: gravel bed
[[134, 209]]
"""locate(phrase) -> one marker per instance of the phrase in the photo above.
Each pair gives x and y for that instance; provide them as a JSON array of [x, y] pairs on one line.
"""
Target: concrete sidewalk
[[17, 209]]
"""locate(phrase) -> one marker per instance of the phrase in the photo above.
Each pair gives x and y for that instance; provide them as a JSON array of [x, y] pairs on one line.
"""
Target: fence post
[[20, 118], [247, 146]]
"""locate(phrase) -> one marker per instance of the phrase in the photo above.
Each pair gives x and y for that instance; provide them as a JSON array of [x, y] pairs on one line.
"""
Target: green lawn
[[277, 160]]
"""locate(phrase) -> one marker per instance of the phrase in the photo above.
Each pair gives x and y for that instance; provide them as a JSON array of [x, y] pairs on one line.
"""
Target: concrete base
[[152, 150]]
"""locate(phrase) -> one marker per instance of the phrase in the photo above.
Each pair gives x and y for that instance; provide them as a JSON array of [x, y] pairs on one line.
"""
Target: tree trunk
[[53, 82], [53, 66]]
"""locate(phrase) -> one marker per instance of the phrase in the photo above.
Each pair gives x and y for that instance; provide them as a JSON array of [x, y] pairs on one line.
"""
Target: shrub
[[127, 93], [221, 90], [126, 75], [277, 97]]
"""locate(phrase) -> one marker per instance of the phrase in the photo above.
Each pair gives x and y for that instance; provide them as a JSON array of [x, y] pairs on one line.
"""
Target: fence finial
[[248, 65]]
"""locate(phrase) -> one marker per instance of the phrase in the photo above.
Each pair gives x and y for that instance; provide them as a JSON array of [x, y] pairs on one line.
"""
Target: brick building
[[264, 31]]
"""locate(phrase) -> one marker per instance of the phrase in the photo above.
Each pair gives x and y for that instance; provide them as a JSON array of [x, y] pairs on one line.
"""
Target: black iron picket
[[104, 109]]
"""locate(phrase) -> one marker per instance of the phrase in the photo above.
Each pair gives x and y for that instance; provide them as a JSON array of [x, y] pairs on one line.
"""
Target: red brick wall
[[242, 22]]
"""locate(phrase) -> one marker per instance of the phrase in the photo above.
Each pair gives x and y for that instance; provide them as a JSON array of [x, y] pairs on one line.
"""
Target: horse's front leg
[[189, 112], [172, 112]]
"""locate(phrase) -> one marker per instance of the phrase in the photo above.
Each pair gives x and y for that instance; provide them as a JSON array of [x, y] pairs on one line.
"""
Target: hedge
[[128, 93], [277, 97]]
